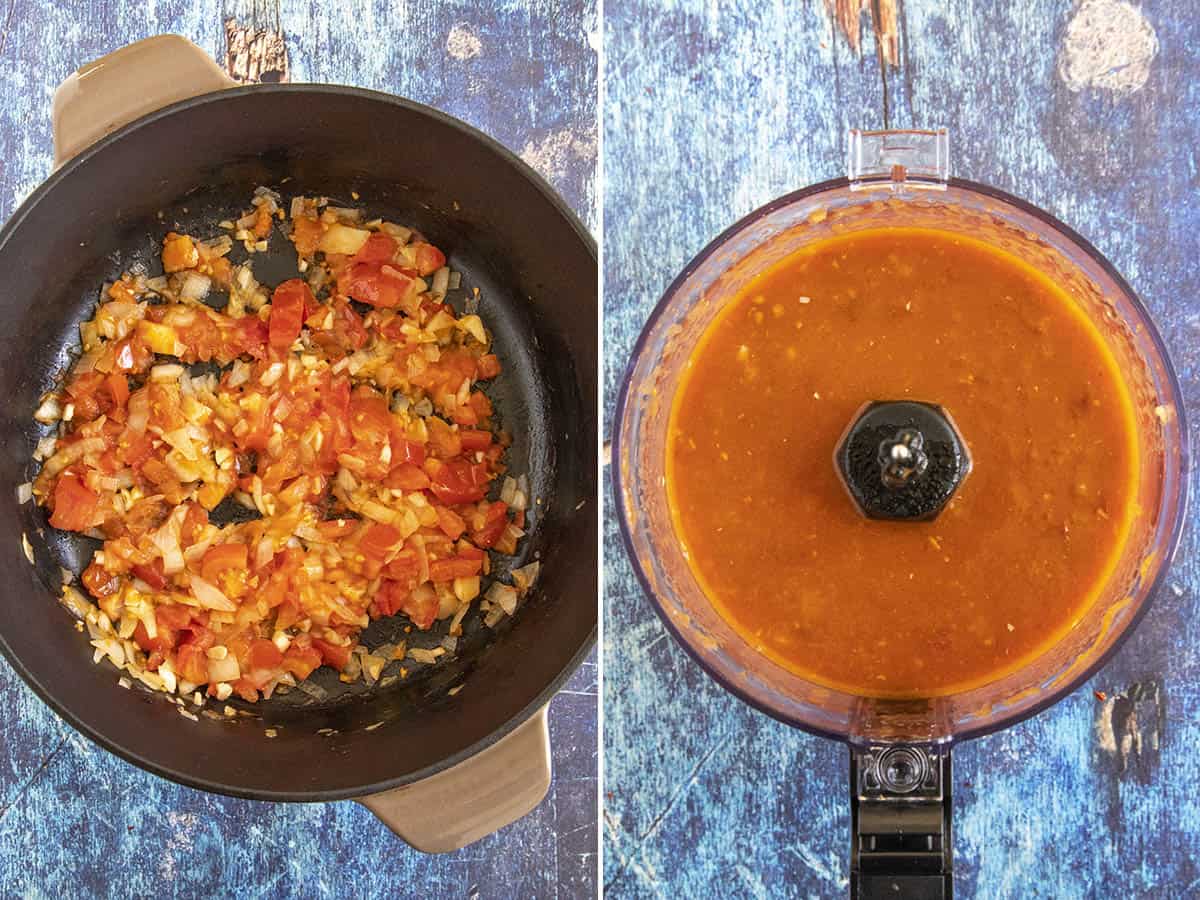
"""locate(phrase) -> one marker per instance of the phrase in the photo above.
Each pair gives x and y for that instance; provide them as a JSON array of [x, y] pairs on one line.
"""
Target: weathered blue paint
[[713, 109], [78, 822]]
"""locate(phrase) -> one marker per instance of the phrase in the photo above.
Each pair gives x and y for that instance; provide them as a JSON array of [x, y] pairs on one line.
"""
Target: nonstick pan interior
[[190, 167]]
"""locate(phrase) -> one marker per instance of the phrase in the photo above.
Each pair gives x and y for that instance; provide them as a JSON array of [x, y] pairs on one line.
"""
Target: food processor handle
[[900, 839], [112, 91]]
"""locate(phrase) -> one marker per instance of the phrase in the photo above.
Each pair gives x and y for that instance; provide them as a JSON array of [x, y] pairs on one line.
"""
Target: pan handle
[[469, 801], [112, 91]]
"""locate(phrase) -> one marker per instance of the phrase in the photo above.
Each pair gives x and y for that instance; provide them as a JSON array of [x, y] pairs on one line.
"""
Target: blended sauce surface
[[886, 608]]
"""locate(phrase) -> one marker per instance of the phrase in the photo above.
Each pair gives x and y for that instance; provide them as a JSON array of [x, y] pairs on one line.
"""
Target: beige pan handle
[[128, 83], [491, 789], [471, 800]]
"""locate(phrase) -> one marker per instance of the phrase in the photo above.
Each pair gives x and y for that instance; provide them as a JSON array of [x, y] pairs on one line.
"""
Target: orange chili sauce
[[902, 609]]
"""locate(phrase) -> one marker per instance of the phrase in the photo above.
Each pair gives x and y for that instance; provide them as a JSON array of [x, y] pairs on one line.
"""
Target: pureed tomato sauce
[[886, 608]]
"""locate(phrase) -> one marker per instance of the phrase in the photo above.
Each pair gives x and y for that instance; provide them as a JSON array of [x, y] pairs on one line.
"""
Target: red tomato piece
[[74, 504], [369, 283], [407, 477], [473, 439], [378, 541], [429, 258], [421, 607], [161, 643], [301, 661], [494, 523], [264, 655], [250, 336], [451, 523], [172, 616], [452, 482], [191, 663], [99, 581], [333, 655], [152, 574], [489, 365], [409, 451], [289, 304], [454, 567], [379, 248], [221, 558]]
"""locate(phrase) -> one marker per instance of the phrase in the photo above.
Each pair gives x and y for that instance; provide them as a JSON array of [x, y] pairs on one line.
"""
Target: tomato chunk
[[264, 655], [221, 558], [191, 663], [454, 567], [74, 504], [454, 482], [333, 655], [379, 248], [494, 523], [152, 574], [288, 308], [99, 581]]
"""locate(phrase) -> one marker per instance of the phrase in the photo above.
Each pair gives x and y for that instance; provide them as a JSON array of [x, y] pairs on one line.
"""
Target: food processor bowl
[[896, 179]]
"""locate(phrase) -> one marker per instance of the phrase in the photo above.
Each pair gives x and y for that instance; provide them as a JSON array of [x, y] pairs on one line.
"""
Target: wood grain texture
[[714, 109], [76, 821]]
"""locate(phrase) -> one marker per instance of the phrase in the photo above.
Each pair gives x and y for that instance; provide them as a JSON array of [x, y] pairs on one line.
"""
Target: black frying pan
[[197, 162]]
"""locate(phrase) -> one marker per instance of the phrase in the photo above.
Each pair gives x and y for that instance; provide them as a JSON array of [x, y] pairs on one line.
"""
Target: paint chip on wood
[[1108, 45], [462, 43], [253, 55]]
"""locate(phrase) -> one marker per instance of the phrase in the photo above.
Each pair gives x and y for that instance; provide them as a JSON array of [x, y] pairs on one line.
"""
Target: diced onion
[[226, 669], [343, 239], [195, 286], [504, 596], [210, 596], [441, 281]]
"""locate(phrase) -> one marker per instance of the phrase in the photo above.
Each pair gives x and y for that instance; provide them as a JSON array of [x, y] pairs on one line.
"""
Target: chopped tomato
[[196, 518], [191, 663], [221, 558], [348, 326], [407, 477], [429, 258], [99, 581], [404, 568], [451, 523], [494, 523], [379, 540], [264, 655], [379, 248], [380, 286], [443, 440], [172, 616], [421, 606], [473, 439], [454, 567], [250, 336], [161, 643], [74, 504], [288, 307], [301, 661], [454, 481], [152, 574], [117, 386], [489, 365], [333, 655]]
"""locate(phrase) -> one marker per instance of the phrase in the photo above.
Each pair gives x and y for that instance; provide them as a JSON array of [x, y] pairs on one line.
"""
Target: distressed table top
[[76, 821], [1088, 110]]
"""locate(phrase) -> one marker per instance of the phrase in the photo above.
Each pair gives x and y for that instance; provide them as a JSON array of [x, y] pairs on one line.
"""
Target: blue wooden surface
[[713, 109], [76, 821]]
